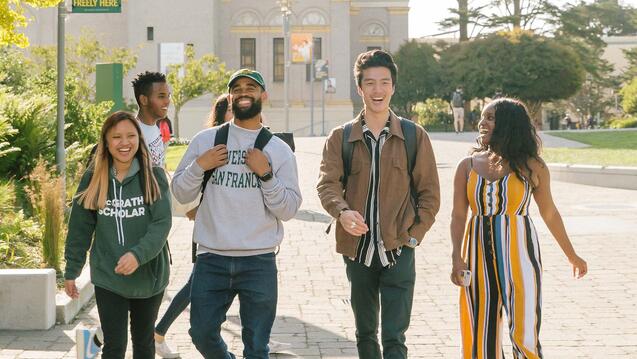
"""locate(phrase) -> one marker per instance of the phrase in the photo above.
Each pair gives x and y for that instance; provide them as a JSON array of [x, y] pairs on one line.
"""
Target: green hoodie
[[125, 224]]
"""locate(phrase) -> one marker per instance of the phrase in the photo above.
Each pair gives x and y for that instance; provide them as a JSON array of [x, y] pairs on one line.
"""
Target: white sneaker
[[277, 347], [85, 345], [164, 351]]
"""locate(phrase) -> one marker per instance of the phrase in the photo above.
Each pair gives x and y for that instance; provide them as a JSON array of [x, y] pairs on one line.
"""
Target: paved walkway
[[595, 317]]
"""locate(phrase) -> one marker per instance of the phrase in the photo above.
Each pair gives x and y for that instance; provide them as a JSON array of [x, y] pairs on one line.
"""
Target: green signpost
[[96, 6]]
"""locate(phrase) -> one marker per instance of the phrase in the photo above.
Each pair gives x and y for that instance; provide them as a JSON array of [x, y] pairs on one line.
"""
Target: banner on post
[[301, 45], [96, 6]]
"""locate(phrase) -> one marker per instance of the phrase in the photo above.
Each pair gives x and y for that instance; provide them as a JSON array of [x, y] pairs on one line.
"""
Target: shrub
[[47, 199], [178, 141], [623, 122], [19, 235], [433, 113], [629, 95], [5, 131], [33, 118]]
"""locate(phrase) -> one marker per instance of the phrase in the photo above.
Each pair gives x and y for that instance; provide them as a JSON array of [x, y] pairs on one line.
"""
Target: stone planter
[[27, 299]]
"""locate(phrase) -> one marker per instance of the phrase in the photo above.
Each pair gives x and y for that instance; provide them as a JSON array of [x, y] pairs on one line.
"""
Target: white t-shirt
[[152, 136]]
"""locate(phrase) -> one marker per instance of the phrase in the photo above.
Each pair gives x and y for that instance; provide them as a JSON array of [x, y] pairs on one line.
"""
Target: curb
[[602, 176]]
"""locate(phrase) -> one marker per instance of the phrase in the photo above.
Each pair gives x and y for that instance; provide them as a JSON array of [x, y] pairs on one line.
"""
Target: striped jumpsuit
[[503, 254]]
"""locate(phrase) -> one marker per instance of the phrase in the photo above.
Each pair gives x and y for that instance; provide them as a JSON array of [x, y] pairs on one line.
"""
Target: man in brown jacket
[[379, 222]]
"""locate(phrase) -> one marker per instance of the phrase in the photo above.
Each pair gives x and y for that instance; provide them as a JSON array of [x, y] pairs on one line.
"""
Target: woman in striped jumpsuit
[[500, 245]]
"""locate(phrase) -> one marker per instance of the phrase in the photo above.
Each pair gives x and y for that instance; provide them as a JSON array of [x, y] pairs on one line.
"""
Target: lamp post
[[59, 140], [286, 11]]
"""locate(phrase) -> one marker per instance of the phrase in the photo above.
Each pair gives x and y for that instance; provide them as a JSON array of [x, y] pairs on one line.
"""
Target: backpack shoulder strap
[[221, 138], [263, 138], [347, 152], [409, 132]]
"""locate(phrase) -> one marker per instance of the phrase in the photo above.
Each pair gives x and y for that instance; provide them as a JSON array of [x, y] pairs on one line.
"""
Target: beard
[[248, 112]]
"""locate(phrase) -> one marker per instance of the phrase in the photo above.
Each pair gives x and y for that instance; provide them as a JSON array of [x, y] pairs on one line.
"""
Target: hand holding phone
[[466, 277]]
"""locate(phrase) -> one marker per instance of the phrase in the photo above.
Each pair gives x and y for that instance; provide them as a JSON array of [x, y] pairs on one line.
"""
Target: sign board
[[301, 45], [96, 6], [108, 84], [330, 85], [320, 69], [171, 53]]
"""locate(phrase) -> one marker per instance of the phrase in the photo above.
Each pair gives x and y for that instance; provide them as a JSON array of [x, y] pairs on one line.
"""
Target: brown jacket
[[398, 220]]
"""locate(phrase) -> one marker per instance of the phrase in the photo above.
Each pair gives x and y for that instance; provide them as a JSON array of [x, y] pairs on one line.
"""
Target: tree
[[519, 14], [418, 76], [13, 18], [582, 28], [631, 71], [83, 116], [629, 97], [518, 63], [200, 77], [463, 16]]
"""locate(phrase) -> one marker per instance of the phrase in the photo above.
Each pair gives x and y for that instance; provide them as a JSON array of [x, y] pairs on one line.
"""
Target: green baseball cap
[[251, 74]]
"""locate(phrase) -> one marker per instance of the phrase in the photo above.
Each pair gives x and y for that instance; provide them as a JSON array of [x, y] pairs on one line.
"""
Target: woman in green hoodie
[[122, 213]]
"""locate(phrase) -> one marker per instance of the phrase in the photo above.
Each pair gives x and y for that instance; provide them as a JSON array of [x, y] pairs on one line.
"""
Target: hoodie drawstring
[[118, 220]]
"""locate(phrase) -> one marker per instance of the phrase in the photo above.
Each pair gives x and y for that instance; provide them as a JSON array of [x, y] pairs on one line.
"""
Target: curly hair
[[514, 137], [218, 113], [143, 83]]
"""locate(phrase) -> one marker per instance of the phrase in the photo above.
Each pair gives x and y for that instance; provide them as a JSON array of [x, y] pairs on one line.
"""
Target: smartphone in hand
[[466, 278]]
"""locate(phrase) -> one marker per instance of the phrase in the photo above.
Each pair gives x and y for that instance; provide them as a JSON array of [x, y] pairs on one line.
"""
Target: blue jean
[[215, 283], [177, 306]]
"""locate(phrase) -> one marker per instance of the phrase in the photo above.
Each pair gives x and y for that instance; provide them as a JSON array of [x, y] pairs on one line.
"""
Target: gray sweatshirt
[[239, 215]]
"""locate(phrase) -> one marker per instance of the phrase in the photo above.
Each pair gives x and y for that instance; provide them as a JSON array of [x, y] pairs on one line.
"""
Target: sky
[[425, 14]]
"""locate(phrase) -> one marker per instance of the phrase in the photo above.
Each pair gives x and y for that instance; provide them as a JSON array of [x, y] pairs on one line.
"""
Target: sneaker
[[163, 350], [98, 338], [85, 343], [277, 347]]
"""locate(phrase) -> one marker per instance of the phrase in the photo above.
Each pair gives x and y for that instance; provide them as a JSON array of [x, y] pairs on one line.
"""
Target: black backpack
[[221, 138]]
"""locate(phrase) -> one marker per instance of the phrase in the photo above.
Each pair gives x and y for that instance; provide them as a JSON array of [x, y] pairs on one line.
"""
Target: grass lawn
[[174, 155], [608, 148]]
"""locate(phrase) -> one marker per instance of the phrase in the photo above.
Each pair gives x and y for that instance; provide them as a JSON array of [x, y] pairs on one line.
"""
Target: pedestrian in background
[[457, 106]]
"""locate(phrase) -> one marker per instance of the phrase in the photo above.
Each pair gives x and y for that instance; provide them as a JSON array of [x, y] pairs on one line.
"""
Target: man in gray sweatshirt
[[238, 223]]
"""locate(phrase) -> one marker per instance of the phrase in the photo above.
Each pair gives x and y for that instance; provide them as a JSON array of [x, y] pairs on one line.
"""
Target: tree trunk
[[463, 21], [535, 111], [176, 122], [517, 14]]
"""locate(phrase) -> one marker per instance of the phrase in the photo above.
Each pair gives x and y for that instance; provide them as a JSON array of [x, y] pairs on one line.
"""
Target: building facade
[[247, 33]]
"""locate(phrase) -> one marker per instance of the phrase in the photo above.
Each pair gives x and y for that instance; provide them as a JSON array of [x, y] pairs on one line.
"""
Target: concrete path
[[595, 317], [470, 138]]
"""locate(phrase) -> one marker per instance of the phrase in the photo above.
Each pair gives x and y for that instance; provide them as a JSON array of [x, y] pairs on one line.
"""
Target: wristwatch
[[413, 242], [266, 176]]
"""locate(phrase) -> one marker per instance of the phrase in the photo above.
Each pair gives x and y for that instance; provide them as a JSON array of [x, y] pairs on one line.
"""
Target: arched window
[[374, 29], [313, 18], [247, 18]]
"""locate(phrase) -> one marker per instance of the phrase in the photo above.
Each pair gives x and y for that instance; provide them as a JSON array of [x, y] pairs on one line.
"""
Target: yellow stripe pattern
[[502, 252]]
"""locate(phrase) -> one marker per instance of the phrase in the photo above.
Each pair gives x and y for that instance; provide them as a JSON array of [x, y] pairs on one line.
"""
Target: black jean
[[113, 310]]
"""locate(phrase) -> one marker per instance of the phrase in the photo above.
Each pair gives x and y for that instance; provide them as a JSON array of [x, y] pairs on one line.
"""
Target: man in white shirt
[[153, 97]]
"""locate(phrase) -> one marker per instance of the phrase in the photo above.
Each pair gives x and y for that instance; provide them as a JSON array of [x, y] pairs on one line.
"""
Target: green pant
[[395, 287]]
